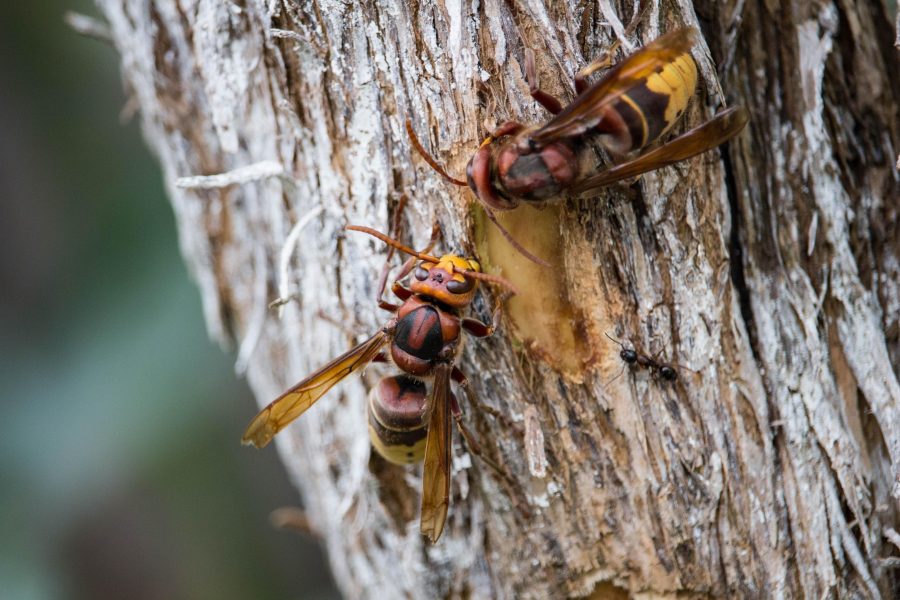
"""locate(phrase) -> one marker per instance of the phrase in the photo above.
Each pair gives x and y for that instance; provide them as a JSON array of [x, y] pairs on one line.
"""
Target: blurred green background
[[120, 467]]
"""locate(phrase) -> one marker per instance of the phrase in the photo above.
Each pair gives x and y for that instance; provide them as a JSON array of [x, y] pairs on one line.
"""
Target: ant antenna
[[621, 345], [431, 162], [496, 279], [619, 374], [629, 355]]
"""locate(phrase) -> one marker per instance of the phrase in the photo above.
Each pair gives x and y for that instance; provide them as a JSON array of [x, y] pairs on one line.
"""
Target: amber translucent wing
[[717, 130], [296, 400], [589, 108], [436, 478]]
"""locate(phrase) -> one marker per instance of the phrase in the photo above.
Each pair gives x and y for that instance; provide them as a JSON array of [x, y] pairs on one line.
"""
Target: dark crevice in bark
[[736, 253]]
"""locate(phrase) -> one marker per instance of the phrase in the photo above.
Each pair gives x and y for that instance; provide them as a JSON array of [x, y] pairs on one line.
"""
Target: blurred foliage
[[120, 468]]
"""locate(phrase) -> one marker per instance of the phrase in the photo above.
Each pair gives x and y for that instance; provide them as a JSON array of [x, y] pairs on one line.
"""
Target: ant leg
[[619, 374], [475, 450], [667, 370], [629, 355], [552, 105], [630, 351]]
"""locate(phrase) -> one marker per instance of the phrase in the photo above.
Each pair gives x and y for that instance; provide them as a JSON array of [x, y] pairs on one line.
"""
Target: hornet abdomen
[[397, 426], [650, 108]]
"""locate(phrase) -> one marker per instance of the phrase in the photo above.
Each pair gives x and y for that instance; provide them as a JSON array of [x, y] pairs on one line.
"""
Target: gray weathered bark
[[770, 271]]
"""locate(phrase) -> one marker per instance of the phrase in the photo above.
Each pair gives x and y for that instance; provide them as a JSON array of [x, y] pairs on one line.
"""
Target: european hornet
[[423, 340], [632, 106]]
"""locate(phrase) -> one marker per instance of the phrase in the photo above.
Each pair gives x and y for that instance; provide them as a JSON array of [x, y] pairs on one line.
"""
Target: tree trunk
[[769, 271]]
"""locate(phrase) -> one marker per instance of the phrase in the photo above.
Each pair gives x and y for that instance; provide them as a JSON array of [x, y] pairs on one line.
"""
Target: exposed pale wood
[[770, 272]]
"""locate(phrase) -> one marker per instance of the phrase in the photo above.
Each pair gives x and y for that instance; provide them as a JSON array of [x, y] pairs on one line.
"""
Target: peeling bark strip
[[771, 270]]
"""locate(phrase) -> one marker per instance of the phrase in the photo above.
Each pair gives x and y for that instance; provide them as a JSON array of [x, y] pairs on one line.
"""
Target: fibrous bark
[[769, 271]]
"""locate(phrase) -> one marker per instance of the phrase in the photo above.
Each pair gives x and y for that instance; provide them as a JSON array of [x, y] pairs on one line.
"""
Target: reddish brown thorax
[[536, 175], [422, 334]]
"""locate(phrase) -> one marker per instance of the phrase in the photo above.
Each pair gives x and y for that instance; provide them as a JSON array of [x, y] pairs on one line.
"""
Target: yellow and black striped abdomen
[[650, 108], [397, 428]]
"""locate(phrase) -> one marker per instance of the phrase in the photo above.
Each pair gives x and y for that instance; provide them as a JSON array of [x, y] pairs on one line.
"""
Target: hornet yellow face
[[445, 281]]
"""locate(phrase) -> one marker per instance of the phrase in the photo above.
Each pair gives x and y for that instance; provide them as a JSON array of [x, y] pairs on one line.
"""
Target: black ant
[[631, 356]]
